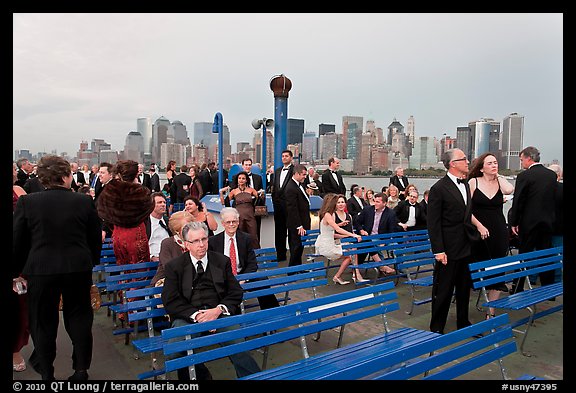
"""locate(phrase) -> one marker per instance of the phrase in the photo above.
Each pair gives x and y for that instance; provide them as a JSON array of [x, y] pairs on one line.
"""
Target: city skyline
[[443, 69]]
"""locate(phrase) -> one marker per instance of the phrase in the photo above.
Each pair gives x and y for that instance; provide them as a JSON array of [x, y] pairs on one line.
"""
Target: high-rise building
[[161, 130], [464, 139], [203, 133], [482, 131], [423, 154], [294, 131], [329, 145], [410, 129], [323, 129], [351, 136], [180, 133], [134, 147], [309, 146], [144, 127], [511, 141]]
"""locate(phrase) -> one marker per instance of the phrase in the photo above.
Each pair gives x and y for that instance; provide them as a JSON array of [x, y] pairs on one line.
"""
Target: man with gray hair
[[200, 287], [237, 245]]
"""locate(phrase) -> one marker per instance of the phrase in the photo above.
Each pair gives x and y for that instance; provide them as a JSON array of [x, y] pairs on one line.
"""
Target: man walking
[[297, 214]]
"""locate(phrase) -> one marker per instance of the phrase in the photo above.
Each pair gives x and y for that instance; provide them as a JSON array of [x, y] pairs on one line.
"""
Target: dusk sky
[[83, 76]]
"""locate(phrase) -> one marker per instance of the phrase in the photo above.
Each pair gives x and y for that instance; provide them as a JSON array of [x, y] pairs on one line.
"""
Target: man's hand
[[515, 230], [208, 315], [363, 232], [441, 257], [301, 231]]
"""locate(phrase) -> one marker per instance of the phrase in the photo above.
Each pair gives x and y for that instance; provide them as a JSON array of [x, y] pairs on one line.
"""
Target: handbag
[[260, 211], [95, 299]]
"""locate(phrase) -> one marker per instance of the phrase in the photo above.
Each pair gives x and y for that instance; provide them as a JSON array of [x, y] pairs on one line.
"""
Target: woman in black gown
[[487, 189]]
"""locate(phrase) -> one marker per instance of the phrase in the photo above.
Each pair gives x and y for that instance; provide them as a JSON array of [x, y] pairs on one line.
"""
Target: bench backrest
[[443, 357], [385, 242], [266, 258], [493, 271], [287, 322], [282, 280]]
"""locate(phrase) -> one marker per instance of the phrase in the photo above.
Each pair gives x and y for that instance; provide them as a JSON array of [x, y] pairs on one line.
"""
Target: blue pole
[[280, 126], [264, 155], [217, 128]]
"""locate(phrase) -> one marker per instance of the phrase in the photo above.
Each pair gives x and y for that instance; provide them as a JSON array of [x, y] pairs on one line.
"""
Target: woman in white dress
[[325, 242]]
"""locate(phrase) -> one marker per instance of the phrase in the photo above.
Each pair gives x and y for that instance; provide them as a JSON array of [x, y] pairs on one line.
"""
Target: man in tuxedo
[[297, 213], [255, 183], [205, 179], [400, 181], [154, 179], [532, 214], [200, 287], [332, 181], [77, 176], [237, 245], [410, 214], [449, 219], [144, 178], [309, 177], [355, 204], [156, 226], [180, 185], [25, 169], [213, 173], [269, 179], [282, 176], [374, 220], [104, 176]]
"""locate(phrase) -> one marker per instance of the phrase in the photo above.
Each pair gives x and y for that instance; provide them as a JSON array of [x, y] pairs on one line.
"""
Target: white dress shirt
[[460, 186], [157, 234]]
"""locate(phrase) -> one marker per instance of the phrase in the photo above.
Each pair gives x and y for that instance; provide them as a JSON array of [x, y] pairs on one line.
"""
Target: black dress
[[490, 213]]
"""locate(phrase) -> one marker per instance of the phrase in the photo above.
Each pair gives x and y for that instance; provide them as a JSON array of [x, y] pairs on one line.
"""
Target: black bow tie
[[333, 171], [461, 181], [285, 169]]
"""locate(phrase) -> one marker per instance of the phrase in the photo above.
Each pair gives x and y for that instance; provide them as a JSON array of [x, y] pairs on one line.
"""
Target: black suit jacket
[[148, 225], [178, 285], [354, 208], [21, 178], [155, 183], [297, 206], [146, 181], [56, 231], [446, 218], [402, 211], [533, 203], [33, 184], [396, 181], [277, 188], [329, 184], [76, 184], [256, 178], [246, 255], [388, 221], [177, 192]]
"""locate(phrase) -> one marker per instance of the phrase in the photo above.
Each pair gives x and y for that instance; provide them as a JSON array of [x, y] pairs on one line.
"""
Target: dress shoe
[[79, 375], [338, 280], [360, 279], [18, 367]]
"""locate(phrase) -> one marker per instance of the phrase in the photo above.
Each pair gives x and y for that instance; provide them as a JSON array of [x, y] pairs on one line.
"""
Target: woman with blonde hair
[[325, 243], [173, 246], [393, 196]]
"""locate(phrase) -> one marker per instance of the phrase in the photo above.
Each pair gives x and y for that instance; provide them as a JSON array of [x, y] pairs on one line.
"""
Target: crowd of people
[[59, 206]]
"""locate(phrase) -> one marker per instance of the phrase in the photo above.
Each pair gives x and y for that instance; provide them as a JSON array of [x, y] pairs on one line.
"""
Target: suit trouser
[[455, 274], [536, 239], [296, 247], [244, 363], [43, 300], [280, 231]]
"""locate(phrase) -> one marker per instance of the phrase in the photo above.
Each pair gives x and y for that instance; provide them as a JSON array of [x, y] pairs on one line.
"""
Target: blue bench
[[406, 353], [281, 280], [266, 258], [268, 327], [506, 269]]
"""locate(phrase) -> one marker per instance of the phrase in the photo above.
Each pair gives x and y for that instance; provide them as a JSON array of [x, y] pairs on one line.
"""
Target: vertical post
[[280, 86], [264, 170], [217, 128]]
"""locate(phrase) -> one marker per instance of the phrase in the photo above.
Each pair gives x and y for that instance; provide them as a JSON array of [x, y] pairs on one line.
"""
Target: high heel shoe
[[338, 280], [361, 279], [19, 366], [488, 316]]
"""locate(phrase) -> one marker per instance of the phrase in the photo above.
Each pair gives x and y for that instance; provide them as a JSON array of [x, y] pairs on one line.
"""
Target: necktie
[[199, 268], [233, 256], [94, 181], [161, 221]]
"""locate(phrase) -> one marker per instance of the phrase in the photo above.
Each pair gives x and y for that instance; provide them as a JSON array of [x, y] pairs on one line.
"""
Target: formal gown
[[326, 244], [244, 203], [489, 213]]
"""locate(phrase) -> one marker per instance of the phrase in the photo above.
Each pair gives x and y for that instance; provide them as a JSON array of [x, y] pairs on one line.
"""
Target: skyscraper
[[351, 136], [512, 140], [144, 127], [294, 131]]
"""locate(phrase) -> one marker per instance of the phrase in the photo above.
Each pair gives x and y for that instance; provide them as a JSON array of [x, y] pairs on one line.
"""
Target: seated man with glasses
[[200, 287], [237, 245], [409, 212]]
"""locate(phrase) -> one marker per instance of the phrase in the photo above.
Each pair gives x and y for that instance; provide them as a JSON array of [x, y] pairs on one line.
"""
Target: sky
[[84, 76]]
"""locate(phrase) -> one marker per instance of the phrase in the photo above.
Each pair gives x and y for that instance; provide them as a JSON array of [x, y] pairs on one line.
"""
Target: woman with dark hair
[[56, 242], [124, 205], [244, 198], [195, 184], [170, 173], [200, 213], [325, 244], [487, 190]]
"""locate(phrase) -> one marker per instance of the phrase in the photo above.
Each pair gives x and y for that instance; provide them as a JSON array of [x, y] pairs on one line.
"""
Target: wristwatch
[[222, 308]]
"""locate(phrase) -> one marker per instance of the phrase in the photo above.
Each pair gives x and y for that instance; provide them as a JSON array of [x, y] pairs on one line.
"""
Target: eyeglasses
[[197, 241], [233, 222], [461, 159]]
